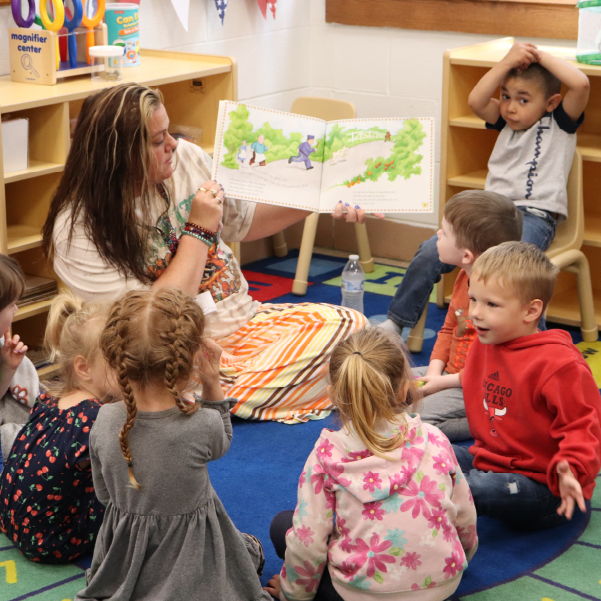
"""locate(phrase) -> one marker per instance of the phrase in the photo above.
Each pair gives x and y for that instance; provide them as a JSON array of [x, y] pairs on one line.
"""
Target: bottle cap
[[353, 257], [106, 51]]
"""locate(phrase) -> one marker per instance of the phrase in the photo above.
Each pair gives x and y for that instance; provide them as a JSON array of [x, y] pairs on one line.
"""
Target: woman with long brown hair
[[137, 208]]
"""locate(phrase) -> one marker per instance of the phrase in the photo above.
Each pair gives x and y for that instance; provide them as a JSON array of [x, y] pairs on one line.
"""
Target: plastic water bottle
[[353, 279]]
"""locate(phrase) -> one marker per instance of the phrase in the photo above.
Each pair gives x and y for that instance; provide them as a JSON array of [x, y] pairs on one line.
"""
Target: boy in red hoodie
[[531, 401]]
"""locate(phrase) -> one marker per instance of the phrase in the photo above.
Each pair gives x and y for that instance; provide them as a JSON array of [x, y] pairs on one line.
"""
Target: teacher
[[136, 208]]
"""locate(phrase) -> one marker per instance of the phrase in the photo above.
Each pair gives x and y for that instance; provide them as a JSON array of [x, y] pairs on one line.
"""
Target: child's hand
[[13, 351], [207, 369], [437, 383], [274, 586], [521, 56], [570, 490]]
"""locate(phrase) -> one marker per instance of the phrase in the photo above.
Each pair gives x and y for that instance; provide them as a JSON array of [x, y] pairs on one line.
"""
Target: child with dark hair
[[165, 533], [530, 162], [49, 509], [19, 382]]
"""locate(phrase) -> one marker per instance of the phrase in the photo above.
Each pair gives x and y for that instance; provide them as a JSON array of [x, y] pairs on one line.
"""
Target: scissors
[[71, 24], [18, 16], [90, 23], [55, 24]]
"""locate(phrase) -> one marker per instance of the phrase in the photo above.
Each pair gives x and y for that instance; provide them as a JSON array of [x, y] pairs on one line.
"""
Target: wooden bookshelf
[[192, 86]]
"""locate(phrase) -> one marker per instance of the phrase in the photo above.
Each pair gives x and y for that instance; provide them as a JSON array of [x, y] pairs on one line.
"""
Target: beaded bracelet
[[194, 227], [200, 233]]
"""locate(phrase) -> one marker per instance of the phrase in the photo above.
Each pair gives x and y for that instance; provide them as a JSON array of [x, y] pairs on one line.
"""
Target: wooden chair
[[329, 109], [565, 252]]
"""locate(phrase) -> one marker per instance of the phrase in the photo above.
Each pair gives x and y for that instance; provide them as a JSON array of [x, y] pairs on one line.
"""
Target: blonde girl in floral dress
[[48, 508], [383, 509]]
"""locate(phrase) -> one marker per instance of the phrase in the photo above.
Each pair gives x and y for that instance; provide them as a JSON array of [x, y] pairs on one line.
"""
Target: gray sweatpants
[[444, 409]]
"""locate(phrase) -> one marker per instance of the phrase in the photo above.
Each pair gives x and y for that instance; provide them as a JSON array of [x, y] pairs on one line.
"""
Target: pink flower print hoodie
[[399, 528]]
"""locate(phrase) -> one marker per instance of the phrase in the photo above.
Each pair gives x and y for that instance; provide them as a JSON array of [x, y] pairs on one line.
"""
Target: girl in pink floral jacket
[[382, 502]]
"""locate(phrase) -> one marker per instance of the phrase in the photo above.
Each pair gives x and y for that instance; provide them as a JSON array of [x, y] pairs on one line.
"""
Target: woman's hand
[[351, 214], [207, 206]]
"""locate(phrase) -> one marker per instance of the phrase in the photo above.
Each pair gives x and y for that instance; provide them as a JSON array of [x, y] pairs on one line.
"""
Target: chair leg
[[415, 340], [575, 261], [299, 286], [588, 319], [280, 248], [365, 257]]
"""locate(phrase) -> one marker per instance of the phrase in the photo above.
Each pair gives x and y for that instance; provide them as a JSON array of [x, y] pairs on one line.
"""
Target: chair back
[[570, 231], [323, 108]]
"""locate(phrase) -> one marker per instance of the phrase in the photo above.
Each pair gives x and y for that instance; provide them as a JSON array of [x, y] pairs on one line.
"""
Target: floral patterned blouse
[[48, 507], [393, 528]]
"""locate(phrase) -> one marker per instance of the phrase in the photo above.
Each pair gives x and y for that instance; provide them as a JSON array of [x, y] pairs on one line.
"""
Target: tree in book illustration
[[404, 161], [241, 132]]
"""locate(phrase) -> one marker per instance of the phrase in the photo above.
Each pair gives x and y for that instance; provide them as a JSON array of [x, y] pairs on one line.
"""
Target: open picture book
[[382, 165]]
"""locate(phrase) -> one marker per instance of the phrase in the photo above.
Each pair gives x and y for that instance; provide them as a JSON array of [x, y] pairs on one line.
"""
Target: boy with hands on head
[[473, 221], [530, 162], [531, 401]]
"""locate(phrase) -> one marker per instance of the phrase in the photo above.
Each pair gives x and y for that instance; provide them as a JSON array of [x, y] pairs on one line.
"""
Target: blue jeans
[[425, 269], [513, 498]]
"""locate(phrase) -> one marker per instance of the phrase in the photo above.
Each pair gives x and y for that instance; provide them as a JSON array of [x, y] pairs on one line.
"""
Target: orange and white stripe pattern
[[276, 364]]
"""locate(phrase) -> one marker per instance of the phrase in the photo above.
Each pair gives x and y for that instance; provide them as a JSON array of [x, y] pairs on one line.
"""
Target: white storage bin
[[589, 32], [14, 144]]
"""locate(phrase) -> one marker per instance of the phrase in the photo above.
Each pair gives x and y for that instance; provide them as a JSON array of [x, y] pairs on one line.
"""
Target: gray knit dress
[[172, 540]]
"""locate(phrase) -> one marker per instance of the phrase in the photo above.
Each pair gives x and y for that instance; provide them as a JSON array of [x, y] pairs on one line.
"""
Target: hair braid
[[132, 411], [151, 338]]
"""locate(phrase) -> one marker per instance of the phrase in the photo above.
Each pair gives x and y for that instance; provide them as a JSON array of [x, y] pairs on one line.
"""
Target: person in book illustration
[[244, 154], [387, 137], [164, 226], [259, 150], [305, 149]]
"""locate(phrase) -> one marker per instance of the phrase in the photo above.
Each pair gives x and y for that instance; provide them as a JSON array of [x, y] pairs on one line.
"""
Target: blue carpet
[[257, 478]]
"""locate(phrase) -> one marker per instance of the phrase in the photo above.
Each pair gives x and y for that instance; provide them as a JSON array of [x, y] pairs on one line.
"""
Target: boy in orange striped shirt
[[474, 220]]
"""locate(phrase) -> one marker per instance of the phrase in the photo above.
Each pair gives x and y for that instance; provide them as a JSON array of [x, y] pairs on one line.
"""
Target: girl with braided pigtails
[[166, 534]]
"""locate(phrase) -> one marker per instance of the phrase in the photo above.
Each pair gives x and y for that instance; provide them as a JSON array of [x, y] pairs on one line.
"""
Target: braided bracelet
[[208, 241]]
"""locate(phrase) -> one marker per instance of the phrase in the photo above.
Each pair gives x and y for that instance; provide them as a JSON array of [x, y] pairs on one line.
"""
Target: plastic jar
[[107, 62], [588, 49]]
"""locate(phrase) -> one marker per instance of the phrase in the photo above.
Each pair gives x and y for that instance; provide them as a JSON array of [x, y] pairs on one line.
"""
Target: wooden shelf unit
[[466, 146], [192, 86]]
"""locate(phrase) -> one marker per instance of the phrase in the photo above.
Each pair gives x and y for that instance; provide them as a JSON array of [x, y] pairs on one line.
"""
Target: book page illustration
[[382, 165], [265, 155]]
